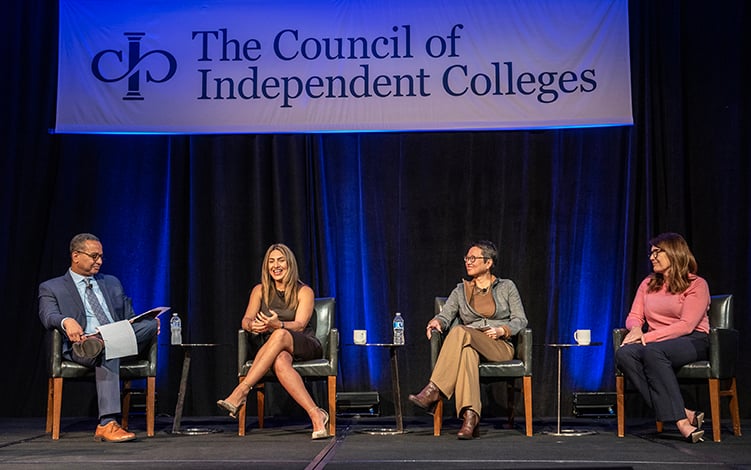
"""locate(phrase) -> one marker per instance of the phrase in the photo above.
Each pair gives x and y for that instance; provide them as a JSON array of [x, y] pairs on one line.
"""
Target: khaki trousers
[[457, 369]]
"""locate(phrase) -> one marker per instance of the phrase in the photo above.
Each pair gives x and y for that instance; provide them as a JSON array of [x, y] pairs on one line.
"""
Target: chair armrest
[[436, 341], [242, 350], [524, 349], [618, 335], [151, 355], [56, 353], [723, 352], [436, 337], [333, 353]]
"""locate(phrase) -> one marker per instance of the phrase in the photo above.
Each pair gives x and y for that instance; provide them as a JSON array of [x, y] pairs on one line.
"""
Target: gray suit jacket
[[59, 299]]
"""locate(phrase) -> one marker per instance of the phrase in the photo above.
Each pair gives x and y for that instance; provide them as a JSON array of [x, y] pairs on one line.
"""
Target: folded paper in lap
[[153, 313], [119, 338]]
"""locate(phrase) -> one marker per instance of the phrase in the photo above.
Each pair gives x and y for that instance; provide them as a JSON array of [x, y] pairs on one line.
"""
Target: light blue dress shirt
[[91, 321]]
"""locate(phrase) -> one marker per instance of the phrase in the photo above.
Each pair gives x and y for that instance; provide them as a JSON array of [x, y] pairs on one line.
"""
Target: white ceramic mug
[[360, 336], [583, 337]]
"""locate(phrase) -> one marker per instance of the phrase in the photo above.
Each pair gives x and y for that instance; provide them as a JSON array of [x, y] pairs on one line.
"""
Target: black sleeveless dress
[[305, 344]]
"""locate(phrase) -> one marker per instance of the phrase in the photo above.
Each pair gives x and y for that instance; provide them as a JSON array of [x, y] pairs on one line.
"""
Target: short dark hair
[[79, 241], [488, 250]]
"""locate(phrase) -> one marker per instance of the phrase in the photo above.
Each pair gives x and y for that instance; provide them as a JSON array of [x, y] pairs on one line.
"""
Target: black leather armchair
[[508, 371], [142, 367], [719, 369], [323, 368]]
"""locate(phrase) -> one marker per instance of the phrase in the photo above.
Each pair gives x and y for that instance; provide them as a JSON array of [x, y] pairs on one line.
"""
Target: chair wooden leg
[[50, 398], [438, 418], [528, 404], [332, 404], [241, 416], [150, 405], [126, 404], [619, 404], [734, 413], [57, 395], [658, 426], [714, 405]]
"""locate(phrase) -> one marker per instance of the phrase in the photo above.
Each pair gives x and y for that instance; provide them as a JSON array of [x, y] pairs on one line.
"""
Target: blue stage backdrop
[[381, 220]]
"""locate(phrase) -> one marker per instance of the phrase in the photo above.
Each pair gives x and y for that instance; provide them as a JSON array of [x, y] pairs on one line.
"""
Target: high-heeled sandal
[[698, 421], [697, 435], [323, 433], [233, 409]]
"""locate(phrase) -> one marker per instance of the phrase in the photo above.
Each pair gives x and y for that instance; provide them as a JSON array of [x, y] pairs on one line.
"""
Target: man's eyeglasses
[[472, 259], [655, 252], [93, 256]]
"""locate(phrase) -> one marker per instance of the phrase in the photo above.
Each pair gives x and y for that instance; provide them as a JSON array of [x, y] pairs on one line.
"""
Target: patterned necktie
[[96, 307]]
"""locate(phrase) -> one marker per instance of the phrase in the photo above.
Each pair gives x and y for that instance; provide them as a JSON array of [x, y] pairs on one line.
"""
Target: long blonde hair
[[683, 266], [291, 278]]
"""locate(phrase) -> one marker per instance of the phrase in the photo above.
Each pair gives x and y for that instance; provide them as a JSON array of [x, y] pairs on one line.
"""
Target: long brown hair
[[683, 265], [291, 279]]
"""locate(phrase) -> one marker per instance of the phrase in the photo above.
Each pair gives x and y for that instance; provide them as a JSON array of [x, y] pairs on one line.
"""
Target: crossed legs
[[277, 352]]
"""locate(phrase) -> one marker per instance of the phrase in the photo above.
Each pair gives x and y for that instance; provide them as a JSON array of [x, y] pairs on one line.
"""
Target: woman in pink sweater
[[672, 302]]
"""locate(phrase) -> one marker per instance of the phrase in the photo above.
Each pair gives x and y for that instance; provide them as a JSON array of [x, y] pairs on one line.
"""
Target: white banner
[[258, 66]]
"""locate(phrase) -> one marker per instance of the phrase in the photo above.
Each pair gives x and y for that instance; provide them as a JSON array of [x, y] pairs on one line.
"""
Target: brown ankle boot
[[428, 398], [470, 428]]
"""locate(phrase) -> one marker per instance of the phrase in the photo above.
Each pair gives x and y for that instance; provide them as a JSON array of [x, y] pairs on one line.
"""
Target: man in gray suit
[[77, 303]]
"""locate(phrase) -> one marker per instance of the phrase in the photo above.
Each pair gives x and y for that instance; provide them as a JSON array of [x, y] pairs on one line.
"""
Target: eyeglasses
[[93, 256], [472, 259], [654, 253]]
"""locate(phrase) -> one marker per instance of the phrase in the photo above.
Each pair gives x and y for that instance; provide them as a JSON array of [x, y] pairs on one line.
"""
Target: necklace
[[482, 290], [279, 293]]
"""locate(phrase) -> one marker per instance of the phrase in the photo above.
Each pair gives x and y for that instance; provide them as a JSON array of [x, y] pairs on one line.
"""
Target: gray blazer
[[509, 310]]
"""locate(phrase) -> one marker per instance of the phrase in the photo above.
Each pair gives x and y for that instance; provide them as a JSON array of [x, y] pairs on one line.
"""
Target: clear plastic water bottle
[[176, 329], [398, 329]]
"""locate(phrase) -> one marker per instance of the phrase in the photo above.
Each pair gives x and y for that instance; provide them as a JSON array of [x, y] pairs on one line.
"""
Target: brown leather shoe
[[428, 398], [112, 432], [470, 428], [89, 348]]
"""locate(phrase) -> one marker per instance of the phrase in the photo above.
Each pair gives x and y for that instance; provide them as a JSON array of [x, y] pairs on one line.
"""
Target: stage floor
[[287, 444]]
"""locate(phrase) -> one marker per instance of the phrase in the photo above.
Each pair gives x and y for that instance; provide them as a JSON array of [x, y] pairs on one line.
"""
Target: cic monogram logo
[[134, 65]]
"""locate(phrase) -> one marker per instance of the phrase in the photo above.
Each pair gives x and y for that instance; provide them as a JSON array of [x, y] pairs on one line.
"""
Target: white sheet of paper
[[119, 340]]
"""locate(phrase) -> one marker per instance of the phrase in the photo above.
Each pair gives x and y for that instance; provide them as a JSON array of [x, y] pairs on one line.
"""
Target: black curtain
[[381, 221]]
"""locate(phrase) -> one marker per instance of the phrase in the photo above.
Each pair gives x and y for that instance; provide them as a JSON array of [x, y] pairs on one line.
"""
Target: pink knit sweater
[[671, 315]]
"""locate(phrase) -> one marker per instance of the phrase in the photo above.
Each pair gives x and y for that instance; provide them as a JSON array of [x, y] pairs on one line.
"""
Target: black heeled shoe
[[698, 422], [696, 436]]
